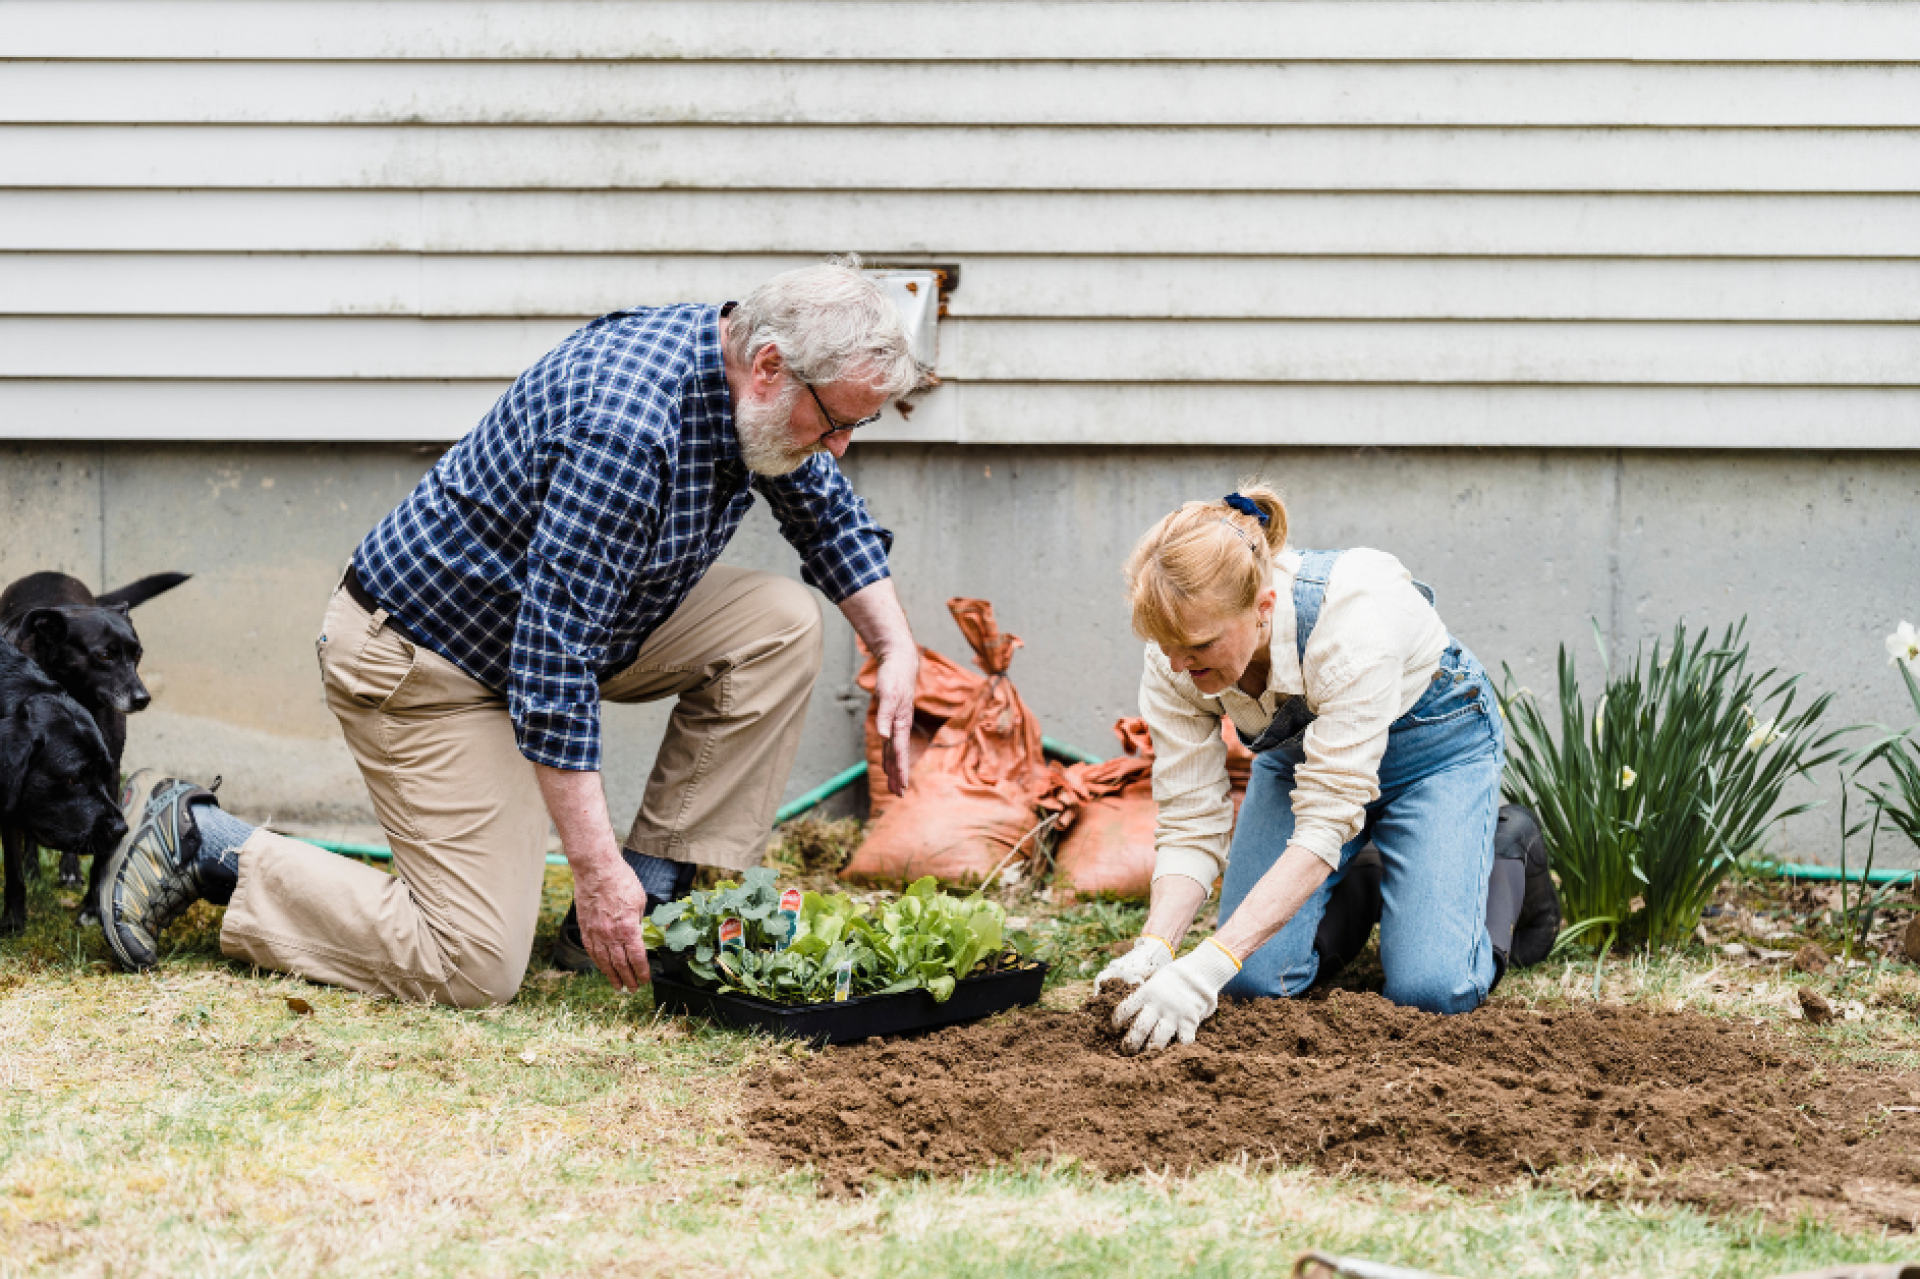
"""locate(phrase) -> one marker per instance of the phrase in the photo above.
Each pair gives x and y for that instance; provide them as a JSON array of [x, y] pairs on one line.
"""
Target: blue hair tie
[[1245, 506]]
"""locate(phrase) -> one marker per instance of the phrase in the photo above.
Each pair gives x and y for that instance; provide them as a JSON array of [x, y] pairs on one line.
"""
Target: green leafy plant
[[925, 939], [1651, 796]]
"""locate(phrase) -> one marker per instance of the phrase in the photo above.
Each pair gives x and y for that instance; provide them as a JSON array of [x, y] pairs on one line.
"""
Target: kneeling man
[[560, 554]]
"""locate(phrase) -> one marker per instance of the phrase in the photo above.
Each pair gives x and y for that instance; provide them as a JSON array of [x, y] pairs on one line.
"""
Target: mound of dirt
[[1710, 1111]]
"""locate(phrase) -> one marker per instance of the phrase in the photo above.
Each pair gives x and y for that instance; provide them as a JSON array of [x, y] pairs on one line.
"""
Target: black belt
[[359, 595]]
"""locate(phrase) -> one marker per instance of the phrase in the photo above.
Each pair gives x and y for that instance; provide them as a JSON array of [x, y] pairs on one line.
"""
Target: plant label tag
[[790, 912], [732, 935], [843, 981]]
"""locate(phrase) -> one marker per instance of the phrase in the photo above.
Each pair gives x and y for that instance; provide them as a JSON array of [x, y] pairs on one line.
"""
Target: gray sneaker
[[155, 874], [569, 950]]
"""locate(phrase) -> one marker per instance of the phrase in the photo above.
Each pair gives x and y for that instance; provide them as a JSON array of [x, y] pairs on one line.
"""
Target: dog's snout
[[139, 702]]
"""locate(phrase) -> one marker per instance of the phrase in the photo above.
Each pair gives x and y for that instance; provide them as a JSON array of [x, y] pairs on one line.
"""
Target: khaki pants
[[463, 812]]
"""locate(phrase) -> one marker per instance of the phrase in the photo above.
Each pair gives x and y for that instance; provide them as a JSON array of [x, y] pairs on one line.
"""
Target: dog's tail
[[134, 593]]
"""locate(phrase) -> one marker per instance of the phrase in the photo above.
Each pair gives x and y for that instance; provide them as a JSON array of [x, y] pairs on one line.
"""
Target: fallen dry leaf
[[298, 1006], [1810, 958], [1913, 940], [1817, 1009]]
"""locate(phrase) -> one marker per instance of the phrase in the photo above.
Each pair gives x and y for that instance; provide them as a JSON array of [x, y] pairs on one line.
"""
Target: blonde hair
[[1207, 554]]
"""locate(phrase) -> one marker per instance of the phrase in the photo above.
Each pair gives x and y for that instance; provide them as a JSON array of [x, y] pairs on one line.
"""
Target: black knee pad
[[1352, 911]]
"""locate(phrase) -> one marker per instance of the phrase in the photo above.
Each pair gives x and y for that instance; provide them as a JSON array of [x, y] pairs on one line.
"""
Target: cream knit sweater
[[1375, 648]]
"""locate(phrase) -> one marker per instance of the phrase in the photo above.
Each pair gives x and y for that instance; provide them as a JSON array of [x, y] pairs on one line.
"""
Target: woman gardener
[[1368, 722]]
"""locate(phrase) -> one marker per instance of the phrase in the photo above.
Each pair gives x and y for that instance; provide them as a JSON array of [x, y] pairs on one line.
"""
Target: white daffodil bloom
[[1599, 717], [1627, 777], [1904, 646], [1762, 736]]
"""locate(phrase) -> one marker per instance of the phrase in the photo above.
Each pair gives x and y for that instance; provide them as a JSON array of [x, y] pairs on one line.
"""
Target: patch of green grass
[[192, 1122]]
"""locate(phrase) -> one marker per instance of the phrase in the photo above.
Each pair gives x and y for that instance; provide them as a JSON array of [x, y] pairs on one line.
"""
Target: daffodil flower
[[1627, 777], [1762, 736], [1904, 646], [1599, 717]]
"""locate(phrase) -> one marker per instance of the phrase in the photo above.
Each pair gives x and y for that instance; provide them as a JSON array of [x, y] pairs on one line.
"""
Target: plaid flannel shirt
[[542, 549]]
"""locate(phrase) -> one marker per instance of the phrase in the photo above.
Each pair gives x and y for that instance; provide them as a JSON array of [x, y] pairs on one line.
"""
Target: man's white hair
[[830, 324]]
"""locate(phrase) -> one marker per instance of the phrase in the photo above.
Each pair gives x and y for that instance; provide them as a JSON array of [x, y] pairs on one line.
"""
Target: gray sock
[[221, 834], [664, 881]]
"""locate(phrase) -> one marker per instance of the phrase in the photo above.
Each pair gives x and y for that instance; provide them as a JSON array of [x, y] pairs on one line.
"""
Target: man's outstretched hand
[[612, 906], [893, 691], [608, 897], [881, 623]]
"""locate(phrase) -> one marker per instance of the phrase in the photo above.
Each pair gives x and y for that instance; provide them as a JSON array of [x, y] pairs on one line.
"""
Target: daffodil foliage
[[924, 939], [1648, 798]]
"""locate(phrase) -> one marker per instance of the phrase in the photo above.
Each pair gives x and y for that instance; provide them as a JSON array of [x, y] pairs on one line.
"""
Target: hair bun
[[1246, 506]]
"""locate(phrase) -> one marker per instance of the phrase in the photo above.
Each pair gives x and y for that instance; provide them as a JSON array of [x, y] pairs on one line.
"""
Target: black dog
[[56, 782], [89, 647]]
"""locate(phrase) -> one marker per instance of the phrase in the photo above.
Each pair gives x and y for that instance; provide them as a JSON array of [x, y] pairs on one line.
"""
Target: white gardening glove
[[1149, 955], [1177, 999]]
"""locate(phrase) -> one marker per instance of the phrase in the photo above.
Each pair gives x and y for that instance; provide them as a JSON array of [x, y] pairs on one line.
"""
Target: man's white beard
[[766, 434]]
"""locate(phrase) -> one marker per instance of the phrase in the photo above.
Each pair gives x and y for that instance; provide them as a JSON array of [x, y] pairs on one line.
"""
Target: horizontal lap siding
[[1555, 223], [496, 285], [942, 30]]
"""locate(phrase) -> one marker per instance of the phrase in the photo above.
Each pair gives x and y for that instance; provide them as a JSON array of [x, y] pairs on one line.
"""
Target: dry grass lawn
[[207, 1120]]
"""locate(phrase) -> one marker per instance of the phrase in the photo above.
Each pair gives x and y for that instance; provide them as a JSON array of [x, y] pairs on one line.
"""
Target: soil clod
[[1609, 1102]]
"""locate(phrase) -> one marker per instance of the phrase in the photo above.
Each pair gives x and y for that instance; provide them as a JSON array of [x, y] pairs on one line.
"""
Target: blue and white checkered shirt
[[542, 549]]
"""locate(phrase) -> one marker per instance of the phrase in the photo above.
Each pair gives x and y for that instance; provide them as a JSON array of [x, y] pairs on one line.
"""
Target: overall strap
[[1309, 593]]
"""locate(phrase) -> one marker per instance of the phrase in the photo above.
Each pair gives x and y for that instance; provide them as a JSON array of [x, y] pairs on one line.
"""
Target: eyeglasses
[[835, 427]]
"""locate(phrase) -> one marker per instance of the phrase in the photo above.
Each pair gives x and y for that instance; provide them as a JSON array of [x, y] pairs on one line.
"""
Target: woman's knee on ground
[[1435, 987]]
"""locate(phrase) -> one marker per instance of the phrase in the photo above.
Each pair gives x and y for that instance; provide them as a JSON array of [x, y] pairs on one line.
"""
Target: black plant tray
[[973, 998]]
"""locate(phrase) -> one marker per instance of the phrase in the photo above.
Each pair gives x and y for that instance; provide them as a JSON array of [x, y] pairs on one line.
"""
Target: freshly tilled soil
[[1608, 1101]]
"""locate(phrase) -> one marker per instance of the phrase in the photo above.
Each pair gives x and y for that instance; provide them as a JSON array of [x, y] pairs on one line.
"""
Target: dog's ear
[[16, 755], [45, 626]]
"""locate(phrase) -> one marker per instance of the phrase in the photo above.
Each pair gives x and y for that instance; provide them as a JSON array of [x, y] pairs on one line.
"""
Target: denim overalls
[[1433, 824]]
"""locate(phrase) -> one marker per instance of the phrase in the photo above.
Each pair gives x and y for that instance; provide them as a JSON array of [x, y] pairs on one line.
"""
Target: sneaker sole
[[138, 787], [103, 904], [570, 958]]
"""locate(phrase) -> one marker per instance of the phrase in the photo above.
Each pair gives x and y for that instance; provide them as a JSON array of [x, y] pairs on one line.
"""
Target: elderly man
[[561, 554]]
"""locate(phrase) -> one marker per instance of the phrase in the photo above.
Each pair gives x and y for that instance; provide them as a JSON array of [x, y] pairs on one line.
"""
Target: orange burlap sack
[[1108, 816], [971, 800], [1105, 820], [939, 693]]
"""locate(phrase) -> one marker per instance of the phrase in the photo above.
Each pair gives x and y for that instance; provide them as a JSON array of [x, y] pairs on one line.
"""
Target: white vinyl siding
[[1645, 223]]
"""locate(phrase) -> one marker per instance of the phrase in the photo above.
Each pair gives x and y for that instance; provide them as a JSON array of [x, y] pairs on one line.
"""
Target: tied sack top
[[1368, 660]]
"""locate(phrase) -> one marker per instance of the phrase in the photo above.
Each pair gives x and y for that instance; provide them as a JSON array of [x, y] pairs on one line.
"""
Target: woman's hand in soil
[[1176, 1000], [1149, 955]]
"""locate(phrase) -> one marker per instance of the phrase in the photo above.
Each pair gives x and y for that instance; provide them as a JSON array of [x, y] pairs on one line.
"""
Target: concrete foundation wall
[[1821, 551]]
